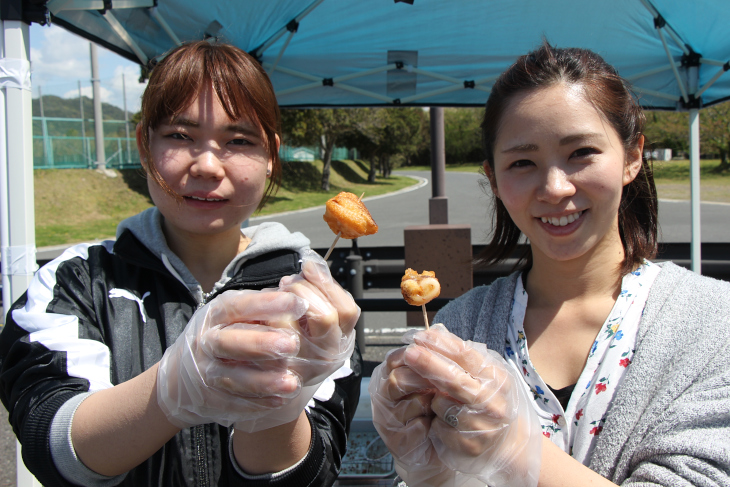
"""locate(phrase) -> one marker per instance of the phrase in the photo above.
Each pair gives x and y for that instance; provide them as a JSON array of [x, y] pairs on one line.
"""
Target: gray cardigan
[[669, 423]]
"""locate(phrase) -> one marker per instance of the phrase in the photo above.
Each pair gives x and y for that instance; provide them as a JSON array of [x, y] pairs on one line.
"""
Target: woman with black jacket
[[157, 359]]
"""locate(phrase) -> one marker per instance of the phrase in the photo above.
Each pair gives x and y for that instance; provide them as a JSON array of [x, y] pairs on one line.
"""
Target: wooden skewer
[[332, 247], [425, 316], [326, 256]]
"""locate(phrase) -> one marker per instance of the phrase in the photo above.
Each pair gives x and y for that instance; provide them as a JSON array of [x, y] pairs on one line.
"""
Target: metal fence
[[69, 143]]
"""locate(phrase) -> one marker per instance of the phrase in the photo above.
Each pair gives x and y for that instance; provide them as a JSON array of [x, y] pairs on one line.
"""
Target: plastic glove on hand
[[326, 331], [228, 366], [484, 425], [402, 415]]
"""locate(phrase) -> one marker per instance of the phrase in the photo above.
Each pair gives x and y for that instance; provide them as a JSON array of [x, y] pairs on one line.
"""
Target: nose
[[556, 186], [207, 164]]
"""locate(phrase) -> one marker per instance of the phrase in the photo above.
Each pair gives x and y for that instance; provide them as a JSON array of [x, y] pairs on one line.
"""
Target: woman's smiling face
[[559, 170], [217, 165]]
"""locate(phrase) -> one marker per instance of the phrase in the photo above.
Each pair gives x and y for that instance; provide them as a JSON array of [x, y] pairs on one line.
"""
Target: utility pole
[[126, 119], [84, 142], [98, 122], [46, 152]]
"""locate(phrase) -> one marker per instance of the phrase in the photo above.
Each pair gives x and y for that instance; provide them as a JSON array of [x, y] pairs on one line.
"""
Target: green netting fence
[[69, 143]]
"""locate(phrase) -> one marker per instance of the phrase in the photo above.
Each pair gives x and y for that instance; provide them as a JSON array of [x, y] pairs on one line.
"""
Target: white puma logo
[[123, 293]]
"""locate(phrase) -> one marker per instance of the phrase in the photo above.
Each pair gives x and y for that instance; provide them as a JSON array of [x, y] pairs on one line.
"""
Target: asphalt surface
[[469, 204]]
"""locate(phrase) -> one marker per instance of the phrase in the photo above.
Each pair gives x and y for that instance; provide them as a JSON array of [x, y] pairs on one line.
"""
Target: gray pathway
[[469, 204]]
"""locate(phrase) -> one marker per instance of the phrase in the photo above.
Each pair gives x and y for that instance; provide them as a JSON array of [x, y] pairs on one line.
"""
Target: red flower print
[[546, 433], [600, 388], [624, 362], [524, 371], [596, 430], [556, 418], [579, 414]]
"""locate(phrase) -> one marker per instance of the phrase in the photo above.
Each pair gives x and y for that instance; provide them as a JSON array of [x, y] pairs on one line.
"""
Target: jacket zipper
[[207, 297], [201, 454]]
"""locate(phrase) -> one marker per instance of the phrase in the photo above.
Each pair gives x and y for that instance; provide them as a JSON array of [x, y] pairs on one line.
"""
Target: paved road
[[469, 204]]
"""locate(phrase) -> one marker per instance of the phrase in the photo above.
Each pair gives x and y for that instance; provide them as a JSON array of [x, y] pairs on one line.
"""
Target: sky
[[60, 59]]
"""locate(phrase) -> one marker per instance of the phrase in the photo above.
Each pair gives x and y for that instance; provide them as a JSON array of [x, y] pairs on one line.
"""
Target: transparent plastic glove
[[327, 330], [228, 365], [483, 425], [401, 406]]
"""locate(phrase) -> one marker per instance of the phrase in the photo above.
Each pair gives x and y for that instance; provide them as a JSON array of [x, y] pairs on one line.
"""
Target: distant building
[[659, 154]]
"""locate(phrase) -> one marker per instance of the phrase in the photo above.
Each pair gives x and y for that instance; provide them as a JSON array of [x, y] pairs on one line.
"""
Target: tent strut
[[155, 14], [260, 50], [674, 67], [122, 32]]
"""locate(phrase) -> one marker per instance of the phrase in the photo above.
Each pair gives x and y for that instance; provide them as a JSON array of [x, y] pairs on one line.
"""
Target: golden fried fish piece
[[347, 215]]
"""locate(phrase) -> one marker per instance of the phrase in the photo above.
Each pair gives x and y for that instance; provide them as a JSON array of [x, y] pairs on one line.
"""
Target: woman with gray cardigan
[[590, 365]]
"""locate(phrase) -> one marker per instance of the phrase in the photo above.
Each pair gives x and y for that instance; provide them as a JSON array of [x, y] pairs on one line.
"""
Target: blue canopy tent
[[369, 53]]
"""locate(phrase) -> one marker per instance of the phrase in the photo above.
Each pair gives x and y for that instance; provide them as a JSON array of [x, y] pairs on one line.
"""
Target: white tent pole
[[693, 74], [4, 218], [18, 227], [694, 181]]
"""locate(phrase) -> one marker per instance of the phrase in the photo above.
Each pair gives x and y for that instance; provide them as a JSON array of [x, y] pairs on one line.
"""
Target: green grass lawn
[[671, 178], [79, 205]]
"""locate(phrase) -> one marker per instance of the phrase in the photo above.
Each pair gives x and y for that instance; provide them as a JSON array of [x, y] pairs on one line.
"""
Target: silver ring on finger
[[450, 417]]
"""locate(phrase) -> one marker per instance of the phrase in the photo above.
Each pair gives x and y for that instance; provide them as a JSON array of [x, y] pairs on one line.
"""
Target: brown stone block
[[444, 249]]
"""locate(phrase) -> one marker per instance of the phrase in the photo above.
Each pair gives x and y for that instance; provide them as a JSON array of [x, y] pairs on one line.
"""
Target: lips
[[563, 220]]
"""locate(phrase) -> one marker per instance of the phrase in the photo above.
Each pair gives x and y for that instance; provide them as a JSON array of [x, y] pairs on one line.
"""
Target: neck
[[593, 275], [206, 256]]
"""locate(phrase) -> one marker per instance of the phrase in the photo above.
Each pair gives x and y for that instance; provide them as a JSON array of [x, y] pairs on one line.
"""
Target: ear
[[634, 161], [490, 175], [270, 165]]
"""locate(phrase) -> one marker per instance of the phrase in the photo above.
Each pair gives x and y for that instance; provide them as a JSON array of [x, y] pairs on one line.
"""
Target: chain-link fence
[[68, 143]]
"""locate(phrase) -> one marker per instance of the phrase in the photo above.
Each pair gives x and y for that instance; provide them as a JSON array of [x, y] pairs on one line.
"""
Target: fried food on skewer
[[348, 217], [419, 289]]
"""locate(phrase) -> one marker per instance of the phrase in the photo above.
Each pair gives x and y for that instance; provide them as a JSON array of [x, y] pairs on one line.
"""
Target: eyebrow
[[244, 128], [564, 141]]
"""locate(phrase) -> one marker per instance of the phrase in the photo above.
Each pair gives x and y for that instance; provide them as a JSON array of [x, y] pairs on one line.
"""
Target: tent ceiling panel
[[452, 42]]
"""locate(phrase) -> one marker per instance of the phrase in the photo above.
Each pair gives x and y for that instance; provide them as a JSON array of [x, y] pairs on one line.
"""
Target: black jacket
[[102, 314]]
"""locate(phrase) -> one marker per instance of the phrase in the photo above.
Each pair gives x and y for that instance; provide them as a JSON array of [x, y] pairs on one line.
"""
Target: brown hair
[[238, 81], [613, 99]]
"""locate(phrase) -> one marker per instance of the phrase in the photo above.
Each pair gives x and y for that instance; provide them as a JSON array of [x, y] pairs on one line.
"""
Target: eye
[[521, 163], [240, 142], [585, 151], [177, 136]]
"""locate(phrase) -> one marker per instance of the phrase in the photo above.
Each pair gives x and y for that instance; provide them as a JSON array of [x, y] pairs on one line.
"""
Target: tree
[[385, 136], [715, 132], [462, 135], [324, 126], [667, 130]]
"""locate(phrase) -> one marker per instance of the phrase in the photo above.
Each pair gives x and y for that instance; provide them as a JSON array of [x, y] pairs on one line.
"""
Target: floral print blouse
[[576, 429]]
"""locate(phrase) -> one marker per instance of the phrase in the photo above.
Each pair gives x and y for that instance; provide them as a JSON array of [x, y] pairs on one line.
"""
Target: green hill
[[57, 107]]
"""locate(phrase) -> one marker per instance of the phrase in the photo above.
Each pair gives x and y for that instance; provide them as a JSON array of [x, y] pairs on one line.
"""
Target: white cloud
[[60, 60]]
